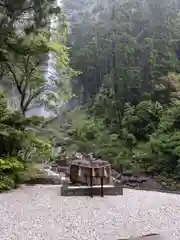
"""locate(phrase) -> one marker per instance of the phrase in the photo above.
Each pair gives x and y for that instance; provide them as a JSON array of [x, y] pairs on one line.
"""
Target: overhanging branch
[[15, 79], [32, 97]]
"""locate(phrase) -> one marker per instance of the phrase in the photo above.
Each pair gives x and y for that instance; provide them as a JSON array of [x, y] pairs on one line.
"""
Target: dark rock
[[125, 179], [133, 185], [133, 179], [151, 184], [53, 168], [127, 174], [62, 163], [142, 179]]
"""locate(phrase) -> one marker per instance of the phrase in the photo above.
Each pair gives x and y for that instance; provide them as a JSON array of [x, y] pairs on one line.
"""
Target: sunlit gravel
[[39, 212]]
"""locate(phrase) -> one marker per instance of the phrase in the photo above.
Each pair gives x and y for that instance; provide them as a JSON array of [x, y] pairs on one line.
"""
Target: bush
[[161, 154], [140, 121], [149, 140], [6, 183], [91, 135], [19, 147], [10, 169]]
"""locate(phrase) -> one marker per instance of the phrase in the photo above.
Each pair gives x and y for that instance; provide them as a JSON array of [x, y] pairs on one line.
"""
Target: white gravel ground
[[38, 212]]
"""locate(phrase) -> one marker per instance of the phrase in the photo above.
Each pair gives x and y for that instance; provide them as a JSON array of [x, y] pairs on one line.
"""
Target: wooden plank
[[91, 182]]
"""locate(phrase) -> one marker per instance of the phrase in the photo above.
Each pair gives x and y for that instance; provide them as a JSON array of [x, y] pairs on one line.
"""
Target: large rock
[[142, 179], [151, 184]]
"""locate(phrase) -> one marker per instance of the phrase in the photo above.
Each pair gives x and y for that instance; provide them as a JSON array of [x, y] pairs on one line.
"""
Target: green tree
[[128, 55], [25, 70], [20, 148], [27, 38]]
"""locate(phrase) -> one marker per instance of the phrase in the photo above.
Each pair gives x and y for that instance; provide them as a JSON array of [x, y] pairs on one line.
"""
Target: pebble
[[40, 213]]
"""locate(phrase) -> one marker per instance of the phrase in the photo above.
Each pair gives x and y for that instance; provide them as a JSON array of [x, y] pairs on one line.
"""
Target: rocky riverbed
[[39, 212]]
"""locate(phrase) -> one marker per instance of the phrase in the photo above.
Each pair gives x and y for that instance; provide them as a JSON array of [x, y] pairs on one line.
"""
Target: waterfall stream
[[42, 111]]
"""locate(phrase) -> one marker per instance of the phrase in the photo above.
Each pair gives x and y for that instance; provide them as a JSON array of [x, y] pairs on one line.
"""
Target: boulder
[[142, 179], [151, 184], [132, 185], [133, 179], [125, 179]]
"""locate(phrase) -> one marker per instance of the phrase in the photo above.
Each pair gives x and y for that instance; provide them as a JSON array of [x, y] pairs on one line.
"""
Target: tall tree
[[128, 47]]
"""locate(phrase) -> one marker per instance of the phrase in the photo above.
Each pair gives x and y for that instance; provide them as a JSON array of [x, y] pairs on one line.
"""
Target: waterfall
[[72, 102], [41, 111]]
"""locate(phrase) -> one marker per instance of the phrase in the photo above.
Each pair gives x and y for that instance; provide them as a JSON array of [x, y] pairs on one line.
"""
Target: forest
[[128, 54], [117, 61]]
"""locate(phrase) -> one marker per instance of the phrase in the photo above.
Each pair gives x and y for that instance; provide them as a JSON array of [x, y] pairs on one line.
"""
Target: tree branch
[[19, 88], [15, 78], [2, 73], [31, 98]]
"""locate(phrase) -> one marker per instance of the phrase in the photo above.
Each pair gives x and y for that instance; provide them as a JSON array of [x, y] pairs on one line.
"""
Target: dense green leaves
[[132, 42], [19, 146], [128, 55], [29, 80], [27, 74], [140, 121], [126, 60]]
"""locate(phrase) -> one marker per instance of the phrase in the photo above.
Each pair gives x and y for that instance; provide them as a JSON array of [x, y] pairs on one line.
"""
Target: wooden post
[[110, 177], [121, 170], [64, 187], [91, 183], [102, 189]]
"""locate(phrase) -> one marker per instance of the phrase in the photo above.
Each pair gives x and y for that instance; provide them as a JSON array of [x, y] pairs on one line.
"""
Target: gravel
[[39, 212]]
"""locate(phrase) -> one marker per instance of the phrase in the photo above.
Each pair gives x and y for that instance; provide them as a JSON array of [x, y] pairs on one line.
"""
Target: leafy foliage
[[27, 38], [141, 120], [19, 147], [128, 55], [28, 76]]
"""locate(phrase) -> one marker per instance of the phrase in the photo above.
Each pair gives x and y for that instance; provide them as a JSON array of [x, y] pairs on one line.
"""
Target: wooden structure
[[90, 172], [81, 171]]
